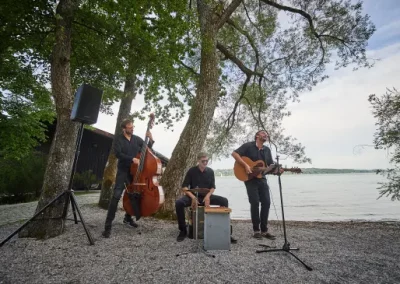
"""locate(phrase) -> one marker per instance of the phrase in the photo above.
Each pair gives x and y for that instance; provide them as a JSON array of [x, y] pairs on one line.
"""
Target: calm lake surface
[[319, 197]]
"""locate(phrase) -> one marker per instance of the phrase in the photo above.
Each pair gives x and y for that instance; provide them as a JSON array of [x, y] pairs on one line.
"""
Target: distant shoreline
[[229, 172]]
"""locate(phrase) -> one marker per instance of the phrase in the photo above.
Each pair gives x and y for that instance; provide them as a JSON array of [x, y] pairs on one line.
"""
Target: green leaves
[[386, 110], [25, 107], [144, 38]]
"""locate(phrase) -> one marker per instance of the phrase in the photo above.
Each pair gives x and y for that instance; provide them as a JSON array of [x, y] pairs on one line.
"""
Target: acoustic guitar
[[257, 168]]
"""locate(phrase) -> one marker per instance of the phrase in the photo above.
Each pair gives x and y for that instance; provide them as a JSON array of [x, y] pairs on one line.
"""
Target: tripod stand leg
[[73, 209], [288, 251], [207, 253], [305, 265], [73, 200], [34, 216], [267, 250]]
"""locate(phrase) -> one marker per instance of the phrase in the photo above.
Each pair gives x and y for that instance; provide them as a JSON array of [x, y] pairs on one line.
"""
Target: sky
[[333, 119]]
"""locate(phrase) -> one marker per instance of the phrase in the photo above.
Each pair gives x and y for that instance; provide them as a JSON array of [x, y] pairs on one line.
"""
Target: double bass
[[144, 196]]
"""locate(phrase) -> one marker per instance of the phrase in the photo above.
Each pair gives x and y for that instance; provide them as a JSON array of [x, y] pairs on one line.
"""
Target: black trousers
[[123, 177], [186, 201], [258, 192]]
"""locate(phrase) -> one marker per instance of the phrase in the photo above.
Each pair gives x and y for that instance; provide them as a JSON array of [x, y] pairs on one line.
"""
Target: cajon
[[217, 228]]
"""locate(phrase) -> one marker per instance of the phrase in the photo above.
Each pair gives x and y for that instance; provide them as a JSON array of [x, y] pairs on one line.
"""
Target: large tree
[[61, 154], [245, 46], [386, 110], [153, 40]]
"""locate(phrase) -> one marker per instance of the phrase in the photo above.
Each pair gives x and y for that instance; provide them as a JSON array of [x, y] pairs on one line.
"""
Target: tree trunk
[[62, 150], [194, 134], [110, 170]]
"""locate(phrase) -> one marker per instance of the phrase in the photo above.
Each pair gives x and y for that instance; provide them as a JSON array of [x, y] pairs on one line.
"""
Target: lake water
[[319, 197]]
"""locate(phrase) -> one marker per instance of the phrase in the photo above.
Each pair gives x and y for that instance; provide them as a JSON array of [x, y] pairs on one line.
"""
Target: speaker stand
[[70, 198]]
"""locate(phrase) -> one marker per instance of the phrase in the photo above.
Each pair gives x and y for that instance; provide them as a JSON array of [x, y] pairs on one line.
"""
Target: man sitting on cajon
[[199, 176]]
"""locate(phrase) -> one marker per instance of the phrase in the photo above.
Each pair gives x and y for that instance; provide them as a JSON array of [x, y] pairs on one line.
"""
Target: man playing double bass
[[199, 176], [126, 147], [257, 188]]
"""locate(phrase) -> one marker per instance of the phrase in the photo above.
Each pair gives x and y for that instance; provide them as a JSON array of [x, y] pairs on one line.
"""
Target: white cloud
[[336, 116], [389, 30]]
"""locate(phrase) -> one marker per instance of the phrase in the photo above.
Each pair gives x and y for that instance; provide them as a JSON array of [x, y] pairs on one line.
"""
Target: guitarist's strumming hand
[[248, 169]]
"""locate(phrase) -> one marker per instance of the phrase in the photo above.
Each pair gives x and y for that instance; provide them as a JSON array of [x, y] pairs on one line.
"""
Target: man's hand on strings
[[135, 161], [248, 169]]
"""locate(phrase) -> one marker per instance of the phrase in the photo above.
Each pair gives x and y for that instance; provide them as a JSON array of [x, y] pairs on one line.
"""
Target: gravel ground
[[11, 213], [337, 252]]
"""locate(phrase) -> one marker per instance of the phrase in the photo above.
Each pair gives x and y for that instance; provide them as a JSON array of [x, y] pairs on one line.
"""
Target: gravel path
[[11, 213], [338, 253]]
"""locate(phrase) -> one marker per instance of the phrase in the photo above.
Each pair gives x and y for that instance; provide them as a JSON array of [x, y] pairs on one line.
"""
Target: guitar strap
[[265, 156]]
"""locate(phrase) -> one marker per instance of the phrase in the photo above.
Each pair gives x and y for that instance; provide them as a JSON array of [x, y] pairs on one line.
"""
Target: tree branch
[[235, 60], [233, 113], [249, 38], [190, 69], [232, 116], [89, 27], [293, 10], [249, 18], [228, 12], [305, 15]]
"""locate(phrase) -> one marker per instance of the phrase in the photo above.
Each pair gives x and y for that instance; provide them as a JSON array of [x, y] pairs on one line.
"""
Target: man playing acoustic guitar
[[257, 187]]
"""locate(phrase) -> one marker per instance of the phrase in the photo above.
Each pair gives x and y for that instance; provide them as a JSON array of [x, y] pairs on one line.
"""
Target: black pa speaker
[[86, 104]]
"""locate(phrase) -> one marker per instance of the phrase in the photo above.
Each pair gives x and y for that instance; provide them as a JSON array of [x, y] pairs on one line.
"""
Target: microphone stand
[[286, 246]]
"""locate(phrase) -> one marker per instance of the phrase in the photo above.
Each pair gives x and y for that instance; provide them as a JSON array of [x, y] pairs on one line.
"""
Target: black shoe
[[268, 236], [257, 235], [129, 221], [106, 234], [182, 235], [233, 241]]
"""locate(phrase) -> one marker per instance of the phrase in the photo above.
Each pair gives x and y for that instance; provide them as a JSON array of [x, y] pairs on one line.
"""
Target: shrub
[[85, 179], [22, 180]]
